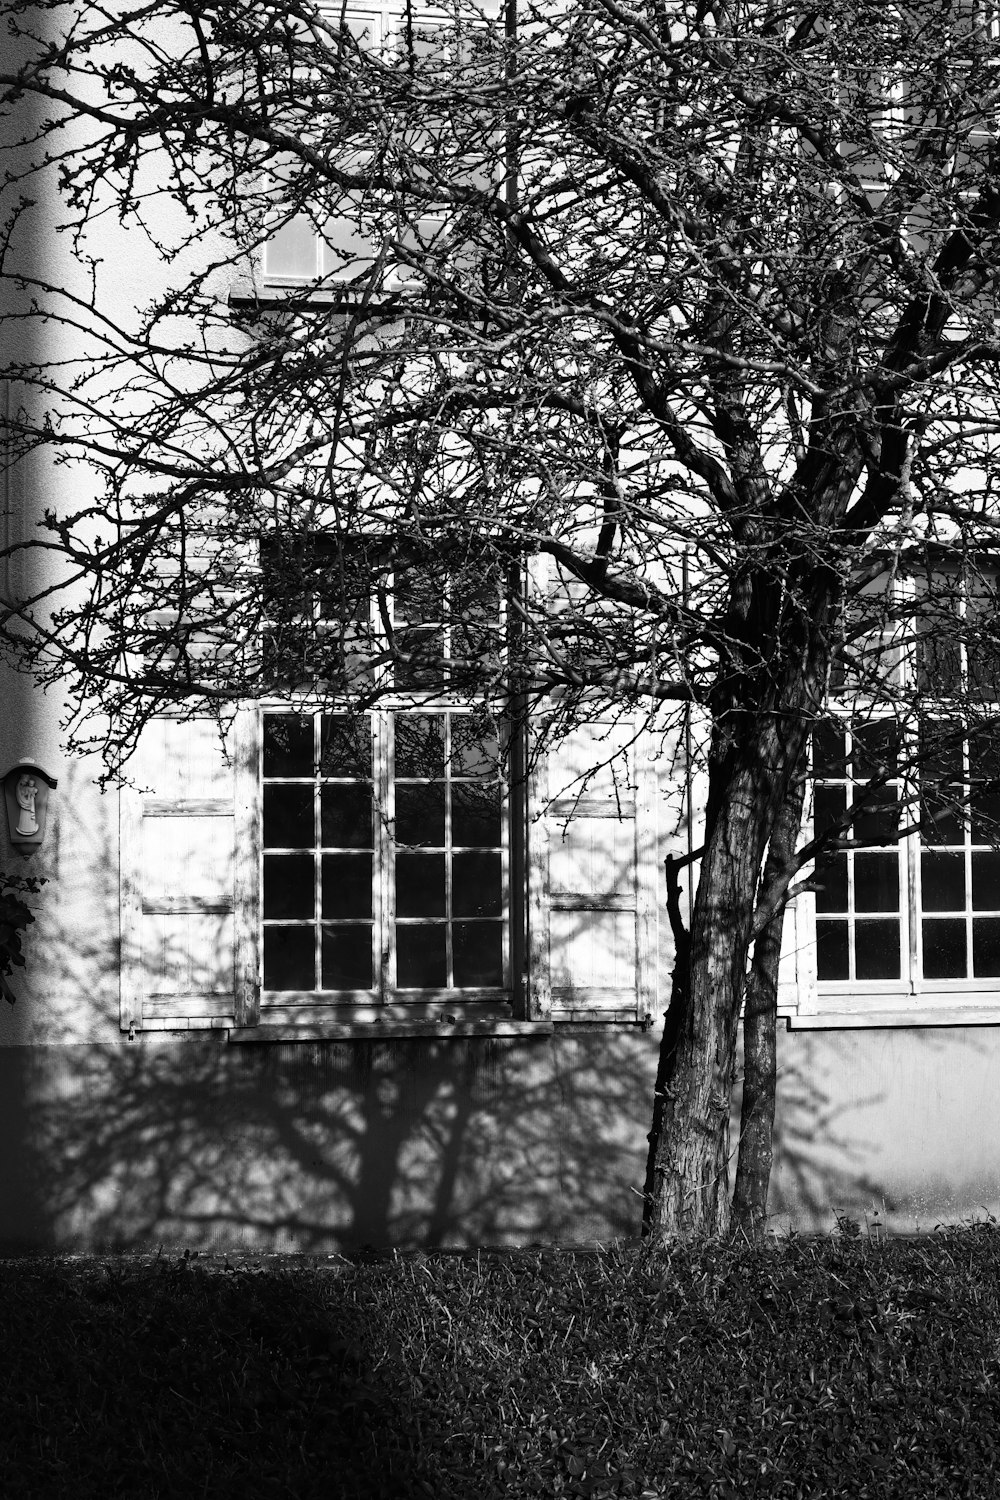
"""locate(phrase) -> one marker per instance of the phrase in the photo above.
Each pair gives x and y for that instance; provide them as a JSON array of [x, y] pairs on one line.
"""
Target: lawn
[[840, 1367]]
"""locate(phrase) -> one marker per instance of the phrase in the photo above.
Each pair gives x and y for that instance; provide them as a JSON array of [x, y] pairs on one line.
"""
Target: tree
[[693, 303]]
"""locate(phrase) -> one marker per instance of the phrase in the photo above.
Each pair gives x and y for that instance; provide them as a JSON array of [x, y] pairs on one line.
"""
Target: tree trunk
[[753, 1166], [688, 1193]]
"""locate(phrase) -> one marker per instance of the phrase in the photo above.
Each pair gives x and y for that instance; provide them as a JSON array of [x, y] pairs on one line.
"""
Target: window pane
[[831, 879], [875, 748], [475, 815], [474, 748], [876, 950], [420, 888], [347, 885], [347, 957], [876, 882], [942, 781], [420, 632], [941, 821], [942, 882], [986, 818], [291, 251], [986, 947], [829, 751], [420, 745], [477, 885], [478, 954], [830, 804], [986, 881], [345, 747], [346, 814], [831, 951], [420, 814], [944, 948], [879, 821], [289, 885], [289, 960], [288, 816], [421, 956], [288, 745]]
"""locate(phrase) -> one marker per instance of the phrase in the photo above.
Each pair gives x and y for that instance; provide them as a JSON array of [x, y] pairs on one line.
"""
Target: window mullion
[[317, 728], [384, 894]]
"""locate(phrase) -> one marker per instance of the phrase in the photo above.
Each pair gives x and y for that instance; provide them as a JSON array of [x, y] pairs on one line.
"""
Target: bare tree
[[692, 304]]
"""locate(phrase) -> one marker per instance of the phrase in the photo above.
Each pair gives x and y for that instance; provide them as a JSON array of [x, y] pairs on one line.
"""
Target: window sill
[[377, 1031], [904, 1016]]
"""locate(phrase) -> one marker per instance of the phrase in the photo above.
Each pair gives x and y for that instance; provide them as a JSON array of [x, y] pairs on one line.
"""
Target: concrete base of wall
[[318, 1148]]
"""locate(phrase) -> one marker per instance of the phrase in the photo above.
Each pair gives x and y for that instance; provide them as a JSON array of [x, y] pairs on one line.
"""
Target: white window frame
[[387, 1001], [808, 1002]]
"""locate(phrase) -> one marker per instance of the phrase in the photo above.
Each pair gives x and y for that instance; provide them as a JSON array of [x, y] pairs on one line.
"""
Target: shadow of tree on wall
[[821, 1166], [325, 1146], [898, 1121]]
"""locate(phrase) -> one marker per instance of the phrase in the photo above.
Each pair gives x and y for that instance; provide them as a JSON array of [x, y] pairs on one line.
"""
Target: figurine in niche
[[26, 791]]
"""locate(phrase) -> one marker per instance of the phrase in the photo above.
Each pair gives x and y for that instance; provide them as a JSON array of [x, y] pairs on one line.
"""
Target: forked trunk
[[755, 1155], [687, 1190]]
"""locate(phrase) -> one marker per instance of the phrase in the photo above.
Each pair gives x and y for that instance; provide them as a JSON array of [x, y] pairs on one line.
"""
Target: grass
[[842, 1367]]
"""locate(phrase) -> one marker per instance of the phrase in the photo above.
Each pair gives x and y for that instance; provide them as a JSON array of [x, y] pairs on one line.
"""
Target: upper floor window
[[430, 50], [364, 618]]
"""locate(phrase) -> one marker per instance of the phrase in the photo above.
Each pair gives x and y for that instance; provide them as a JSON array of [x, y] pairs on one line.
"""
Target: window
[[350, 617], [907, 895], [343, 245], [386, 861]]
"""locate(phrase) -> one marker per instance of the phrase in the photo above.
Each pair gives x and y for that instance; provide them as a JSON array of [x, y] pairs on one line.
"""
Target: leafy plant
[[803, 1370], [15, 917]]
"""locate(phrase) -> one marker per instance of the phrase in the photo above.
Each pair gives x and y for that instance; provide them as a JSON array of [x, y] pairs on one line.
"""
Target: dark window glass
[[829, 751], [942, 882], [420, 814], [345, 747], [347, 885], [876, 882], [830, 804], [478, 954], [421, 955], [875, 749], [832, 951], [420, 885], [831, 879], [876, 950], [986, 881], [346, 816], [419, 629], [941, 782], [878, 822], [419, 745], [941, 821], [347, 957], [288, 816], [477, 885], [986, 947], [288, 745], [944, 948], [289, 885], [289, 959], [475, 814]]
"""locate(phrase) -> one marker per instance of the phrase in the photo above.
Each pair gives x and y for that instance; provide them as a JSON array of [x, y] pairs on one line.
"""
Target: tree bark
[[689, 1188], [756, 1150]]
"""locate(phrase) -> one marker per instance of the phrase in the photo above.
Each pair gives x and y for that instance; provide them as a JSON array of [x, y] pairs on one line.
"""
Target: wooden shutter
[[188, 879], [593, 877]]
